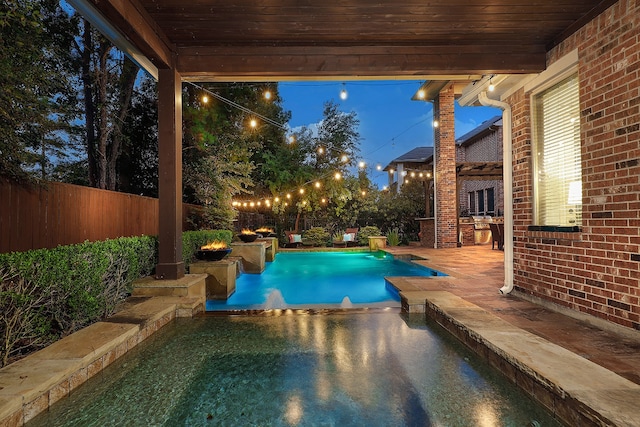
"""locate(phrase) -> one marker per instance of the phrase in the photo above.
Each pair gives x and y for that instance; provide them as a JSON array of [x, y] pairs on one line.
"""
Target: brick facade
[[487, 148], [445, 173], [597, 270]]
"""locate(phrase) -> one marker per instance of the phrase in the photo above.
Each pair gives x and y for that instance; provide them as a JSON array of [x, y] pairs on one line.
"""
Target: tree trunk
[[87, 83], [126, 83]]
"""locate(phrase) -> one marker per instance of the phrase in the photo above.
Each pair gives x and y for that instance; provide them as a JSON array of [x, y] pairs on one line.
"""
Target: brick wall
[[595, 271], [489, 149], [445, 154]]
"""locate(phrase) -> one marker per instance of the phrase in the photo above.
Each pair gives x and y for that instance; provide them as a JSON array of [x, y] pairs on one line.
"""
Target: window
[[491, 207], [472, 203], [557, 160], [480, 202]]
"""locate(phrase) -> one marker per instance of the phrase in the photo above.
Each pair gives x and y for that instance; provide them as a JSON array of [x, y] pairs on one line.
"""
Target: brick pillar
[[445, 173]]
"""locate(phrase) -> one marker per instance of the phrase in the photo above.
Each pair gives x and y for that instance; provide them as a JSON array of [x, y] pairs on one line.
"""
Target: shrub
[[316, 236], [393, 237], [58, 291], [366, 232]]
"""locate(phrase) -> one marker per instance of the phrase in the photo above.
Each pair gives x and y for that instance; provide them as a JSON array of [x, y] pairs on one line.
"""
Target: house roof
[[269, 40], [487, 126], [415, 157]]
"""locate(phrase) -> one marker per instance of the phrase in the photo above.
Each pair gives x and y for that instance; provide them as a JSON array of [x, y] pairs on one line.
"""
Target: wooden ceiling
[[325, 39]]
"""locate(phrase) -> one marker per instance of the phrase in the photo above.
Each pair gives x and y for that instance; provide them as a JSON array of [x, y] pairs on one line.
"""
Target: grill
[[481, 229]]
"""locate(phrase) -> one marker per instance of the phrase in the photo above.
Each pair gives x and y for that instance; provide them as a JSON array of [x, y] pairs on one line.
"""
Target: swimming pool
[[321, 279], [337, 369]]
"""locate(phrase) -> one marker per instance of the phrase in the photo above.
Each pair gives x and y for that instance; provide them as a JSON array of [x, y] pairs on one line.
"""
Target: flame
[[264, 230], [213, 246], [247, 231]]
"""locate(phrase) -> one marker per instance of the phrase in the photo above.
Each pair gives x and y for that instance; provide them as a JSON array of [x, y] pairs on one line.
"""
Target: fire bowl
[[212, 255], [248, 238]]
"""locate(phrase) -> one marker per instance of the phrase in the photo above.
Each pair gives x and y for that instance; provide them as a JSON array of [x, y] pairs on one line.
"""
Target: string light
[[205, 99], [253, 123], [317, 184], [338, 176], [267, 95], [379, 167], [421, 94], [344, 158], [435, 124], [292, 139], [361, 165], [320, 150], [302, 191]]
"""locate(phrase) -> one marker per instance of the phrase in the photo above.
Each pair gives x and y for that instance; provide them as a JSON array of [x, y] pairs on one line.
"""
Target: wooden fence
[[62, 214]]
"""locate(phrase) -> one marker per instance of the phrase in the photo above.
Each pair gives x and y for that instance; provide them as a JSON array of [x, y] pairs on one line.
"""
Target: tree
[[217, 151], [108, 78], [34, 76], [137, 166]]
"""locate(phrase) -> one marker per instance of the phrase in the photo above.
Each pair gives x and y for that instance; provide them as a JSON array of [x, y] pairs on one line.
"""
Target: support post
[[445, 172], [170, 265]]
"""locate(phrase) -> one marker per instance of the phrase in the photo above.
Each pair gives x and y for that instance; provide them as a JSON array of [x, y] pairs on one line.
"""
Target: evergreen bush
[[366, 232]]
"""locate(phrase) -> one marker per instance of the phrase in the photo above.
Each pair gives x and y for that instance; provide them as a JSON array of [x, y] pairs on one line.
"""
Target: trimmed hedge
[[46, 294]]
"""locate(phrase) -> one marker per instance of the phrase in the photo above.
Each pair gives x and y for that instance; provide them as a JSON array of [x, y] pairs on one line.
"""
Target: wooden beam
[[276, 62], [170, 265], [133, 22]]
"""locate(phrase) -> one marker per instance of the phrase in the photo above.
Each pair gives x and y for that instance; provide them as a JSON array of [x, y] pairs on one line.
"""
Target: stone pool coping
[[574, 389], [32, 384]]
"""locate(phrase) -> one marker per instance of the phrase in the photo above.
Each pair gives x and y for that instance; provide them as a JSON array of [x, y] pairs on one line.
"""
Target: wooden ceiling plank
[[135, 23]]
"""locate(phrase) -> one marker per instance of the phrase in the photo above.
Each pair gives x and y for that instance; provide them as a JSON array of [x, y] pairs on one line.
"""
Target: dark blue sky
[[390, 122]]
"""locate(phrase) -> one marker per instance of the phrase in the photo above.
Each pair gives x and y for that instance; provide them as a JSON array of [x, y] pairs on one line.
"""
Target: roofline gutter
[[507, 177]]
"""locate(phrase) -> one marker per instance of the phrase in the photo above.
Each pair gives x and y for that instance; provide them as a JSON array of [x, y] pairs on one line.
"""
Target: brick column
[[445, 172]]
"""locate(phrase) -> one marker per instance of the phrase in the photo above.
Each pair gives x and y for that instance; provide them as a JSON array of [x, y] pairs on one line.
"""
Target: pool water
[[339, 369], [327, 279]]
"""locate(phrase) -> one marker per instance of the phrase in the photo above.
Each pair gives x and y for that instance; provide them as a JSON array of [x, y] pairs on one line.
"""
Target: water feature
[[343, 368], [321, 280], [275, 301]]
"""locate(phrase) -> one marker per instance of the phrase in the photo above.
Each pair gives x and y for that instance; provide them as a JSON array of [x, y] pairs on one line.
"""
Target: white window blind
[[558, 172]]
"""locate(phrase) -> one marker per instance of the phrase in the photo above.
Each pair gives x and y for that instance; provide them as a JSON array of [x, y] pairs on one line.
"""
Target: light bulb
[[320, 150], [391, 171], [302, 191], [344, 158], [491, 86], [317, 184], [421, 94], [343, 93], [205, 99], [378, 167], [361, 165], [253, 123], [435, 124], [292, 139], [267, 94], [338, 175]]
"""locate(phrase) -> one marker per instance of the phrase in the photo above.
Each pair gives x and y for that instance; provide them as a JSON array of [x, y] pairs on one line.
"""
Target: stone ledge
[[30, 385], [574, 389]]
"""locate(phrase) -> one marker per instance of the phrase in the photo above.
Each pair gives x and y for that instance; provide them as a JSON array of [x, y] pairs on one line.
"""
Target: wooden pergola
[[276, 40]]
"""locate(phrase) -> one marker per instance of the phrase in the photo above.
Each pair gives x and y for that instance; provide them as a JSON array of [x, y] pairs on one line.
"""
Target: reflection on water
[[371, 369]]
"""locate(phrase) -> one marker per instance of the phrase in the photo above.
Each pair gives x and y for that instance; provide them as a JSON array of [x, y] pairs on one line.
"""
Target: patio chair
[[293, 239], [354, 234], [497, 235]]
